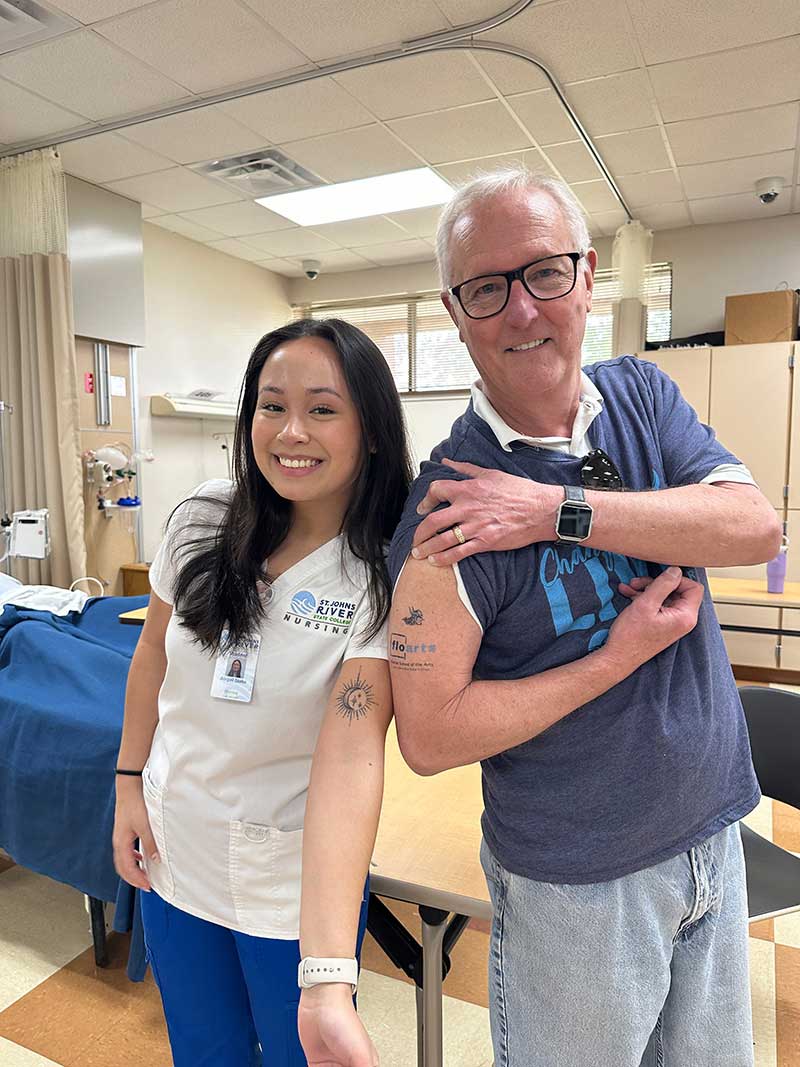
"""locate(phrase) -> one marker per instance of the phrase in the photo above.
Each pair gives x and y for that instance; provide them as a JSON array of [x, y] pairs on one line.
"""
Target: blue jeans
[[649, 970], [227, 996]]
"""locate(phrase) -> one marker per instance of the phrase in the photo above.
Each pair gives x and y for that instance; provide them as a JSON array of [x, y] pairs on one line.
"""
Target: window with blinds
[[597, 341], [421, 345], [417, 337]]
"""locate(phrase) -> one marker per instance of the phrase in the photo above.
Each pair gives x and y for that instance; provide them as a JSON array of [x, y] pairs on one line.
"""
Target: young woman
[[265, 632]]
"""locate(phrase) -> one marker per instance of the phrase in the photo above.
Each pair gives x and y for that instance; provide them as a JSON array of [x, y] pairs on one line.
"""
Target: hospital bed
[[62, 686]]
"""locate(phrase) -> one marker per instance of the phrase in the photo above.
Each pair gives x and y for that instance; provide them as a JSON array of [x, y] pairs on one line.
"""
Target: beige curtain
[[38, 376]]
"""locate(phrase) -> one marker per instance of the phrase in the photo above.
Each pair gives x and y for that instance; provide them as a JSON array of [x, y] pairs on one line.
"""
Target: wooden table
[[753, 593], [135, 617]]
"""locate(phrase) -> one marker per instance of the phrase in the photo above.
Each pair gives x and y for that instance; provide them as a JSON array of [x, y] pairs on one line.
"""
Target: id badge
[[235, 669]]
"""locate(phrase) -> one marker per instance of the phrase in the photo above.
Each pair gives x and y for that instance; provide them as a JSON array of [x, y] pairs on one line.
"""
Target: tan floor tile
[[467, 979], [85, 1016], [787, 984], [786, 826], [762, 997], [764, 930], [5, 862]]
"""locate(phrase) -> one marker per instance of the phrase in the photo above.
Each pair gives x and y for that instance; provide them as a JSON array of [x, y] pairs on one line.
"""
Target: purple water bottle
[[776, 572]]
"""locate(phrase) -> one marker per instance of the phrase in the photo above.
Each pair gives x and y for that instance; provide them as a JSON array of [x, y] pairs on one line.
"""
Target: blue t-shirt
[[662, 760]]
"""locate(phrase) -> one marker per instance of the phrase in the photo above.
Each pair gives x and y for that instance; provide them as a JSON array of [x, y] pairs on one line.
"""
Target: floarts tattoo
[[414, 617], [354, 699]]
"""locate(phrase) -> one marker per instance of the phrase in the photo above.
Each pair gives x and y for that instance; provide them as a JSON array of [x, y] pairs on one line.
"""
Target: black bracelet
[[135, 774]]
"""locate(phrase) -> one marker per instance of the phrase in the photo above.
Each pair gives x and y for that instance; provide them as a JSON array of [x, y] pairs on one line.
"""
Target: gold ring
[[459, 534]]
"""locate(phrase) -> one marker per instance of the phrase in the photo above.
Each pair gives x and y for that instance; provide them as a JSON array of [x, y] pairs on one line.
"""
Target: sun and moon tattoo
[[354, 699]]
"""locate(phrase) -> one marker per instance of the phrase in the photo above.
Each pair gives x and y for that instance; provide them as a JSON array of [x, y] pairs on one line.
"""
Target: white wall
[[204, 313], [712, 262]]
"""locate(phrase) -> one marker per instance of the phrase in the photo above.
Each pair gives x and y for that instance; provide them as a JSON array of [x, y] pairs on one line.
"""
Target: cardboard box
[[755, 318]]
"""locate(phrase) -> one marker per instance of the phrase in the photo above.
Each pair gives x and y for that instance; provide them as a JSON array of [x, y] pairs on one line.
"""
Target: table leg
[[432, 940]]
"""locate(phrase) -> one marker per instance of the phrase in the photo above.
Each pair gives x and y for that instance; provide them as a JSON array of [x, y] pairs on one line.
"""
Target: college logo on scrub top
[[325, 615]]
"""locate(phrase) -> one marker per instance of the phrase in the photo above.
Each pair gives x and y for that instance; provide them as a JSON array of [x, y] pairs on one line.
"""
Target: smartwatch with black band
[[574, 517]]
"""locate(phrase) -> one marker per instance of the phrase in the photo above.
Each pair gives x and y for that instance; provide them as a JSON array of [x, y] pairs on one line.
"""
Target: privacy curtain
[[38, 376]]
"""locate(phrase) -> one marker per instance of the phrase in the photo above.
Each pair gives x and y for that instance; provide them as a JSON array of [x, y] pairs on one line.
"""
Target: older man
[[615, 755]]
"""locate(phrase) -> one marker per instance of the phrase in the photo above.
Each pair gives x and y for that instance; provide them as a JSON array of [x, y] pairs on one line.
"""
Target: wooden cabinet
[[690, 369], [749, 649], [790, 646]]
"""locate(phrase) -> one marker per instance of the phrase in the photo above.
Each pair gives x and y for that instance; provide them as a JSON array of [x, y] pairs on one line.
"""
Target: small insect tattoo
[[414, 617], [355, 699]]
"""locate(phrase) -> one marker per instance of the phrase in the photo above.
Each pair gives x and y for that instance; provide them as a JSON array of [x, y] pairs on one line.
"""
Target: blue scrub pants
[[227, 996]]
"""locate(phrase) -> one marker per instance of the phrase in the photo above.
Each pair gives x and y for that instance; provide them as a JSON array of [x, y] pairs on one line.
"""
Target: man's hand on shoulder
[[492, 510]]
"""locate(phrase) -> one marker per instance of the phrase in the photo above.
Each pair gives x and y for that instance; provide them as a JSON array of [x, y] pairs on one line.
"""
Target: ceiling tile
[[361, 153], [511, 74], [745, 133], [573, 39], [595, 196], [281, 266], [660, 187], [729, 81], [417, 84], [176, 224], [421, 221], [664, 216], [107, 157], [460, 133], [606, 223], [370, 231], [194, 136], [88, 11], [676, 29], [336, 262], [398, 252], [634, 152], [544, 116], [573, 161], [353, 27], [90, 76], [239, 249], [295, 242], [465, 12], [24, 116], [149, 212], [204, 44], [615, 103], [174, 190], [735, 208], [303, 110], [459, 173], [240, 219], [735, 175]]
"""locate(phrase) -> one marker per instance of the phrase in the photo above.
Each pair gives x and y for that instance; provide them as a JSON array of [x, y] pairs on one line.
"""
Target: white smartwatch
[[314, 971]]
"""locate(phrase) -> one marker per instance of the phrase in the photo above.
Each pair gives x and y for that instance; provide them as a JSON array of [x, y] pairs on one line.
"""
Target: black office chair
[[773, 874]]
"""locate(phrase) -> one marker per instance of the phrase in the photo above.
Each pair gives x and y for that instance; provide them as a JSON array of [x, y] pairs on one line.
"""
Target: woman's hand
[[663, 610], [331, 1033], [130, 822]]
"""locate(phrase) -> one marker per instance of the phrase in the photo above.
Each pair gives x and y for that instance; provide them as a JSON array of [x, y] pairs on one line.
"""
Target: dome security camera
[[769, 189], [311, 268]]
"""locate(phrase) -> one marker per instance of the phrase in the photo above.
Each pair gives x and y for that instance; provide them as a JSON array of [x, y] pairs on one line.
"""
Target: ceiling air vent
[[25, 22], [262, 173]]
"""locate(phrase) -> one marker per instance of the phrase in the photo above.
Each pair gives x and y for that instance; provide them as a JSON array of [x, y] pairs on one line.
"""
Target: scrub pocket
[[265, 865], [160, 874]]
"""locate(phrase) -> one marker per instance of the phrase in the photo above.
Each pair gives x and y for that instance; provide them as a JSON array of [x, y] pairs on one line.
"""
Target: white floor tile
[[12, 1055], [762, 995], [787, 930], [43, 925], [388, 1008]]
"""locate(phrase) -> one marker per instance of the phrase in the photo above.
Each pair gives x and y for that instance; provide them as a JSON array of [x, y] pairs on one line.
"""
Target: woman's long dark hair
[[219, 570]]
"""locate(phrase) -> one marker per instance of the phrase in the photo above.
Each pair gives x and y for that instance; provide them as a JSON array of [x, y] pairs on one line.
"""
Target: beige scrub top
[[225, 783]]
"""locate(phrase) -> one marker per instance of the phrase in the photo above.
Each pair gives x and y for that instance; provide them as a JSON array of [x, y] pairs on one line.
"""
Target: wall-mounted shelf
[[190, 407]]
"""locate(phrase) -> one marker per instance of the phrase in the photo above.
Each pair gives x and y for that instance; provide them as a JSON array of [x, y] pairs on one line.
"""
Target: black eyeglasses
[[546, 279], [599, 472]]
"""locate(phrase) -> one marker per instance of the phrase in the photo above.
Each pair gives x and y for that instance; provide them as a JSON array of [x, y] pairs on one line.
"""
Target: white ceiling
[[688, 104]]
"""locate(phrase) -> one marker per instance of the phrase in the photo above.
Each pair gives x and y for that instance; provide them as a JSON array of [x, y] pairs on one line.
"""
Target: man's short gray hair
[[510, 179]]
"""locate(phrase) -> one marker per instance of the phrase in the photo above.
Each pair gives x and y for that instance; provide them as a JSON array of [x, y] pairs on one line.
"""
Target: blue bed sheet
[[62, 688]]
